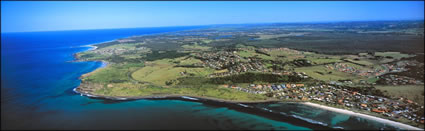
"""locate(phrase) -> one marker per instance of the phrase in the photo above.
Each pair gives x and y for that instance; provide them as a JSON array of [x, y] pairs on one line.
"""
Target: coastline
[[104, 65], [241, 106], [374, 118], [93, 47], [229, 103], [170, 96], [244, 105]]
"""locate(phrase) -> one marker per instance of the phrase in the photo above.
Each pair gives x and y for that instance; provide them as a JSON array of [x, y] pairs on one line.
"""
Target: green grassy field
[[207, 41], [160, 71], [395, 55], [128, 89], [412, 92], [321, 60], [90, 55], [246, 53], [265, 57], [188, 61], [107, 75], [196, 47], [372, 80], [289, 56], [112, 73], [252, 53], [358, 67], [334, 76]]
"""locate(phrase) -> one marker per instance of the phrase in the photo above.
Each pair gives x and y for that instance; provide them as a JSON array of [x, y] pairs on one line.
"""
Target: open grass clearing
[[246, 53], [196, 47], [395, 55], [412, 92], [213, 91], [160, 71], [320, 72], [109, 74]]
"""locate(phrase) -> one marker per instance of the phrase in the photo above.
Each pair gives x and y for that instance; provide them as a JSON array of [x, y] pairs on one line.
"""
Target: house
[[259, 86], [377, 110], [288, 85], [340, 101], [299, 85]]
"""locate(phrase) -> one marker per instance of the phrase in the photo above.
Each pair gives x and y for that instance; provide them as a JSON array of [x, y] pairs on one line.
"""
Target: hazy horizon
[[313, 22], [19, 16]]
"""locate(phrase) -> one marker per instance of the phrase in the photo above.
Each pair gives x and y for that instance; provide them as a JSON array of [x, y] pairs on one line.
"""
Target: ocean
[[38, 78]]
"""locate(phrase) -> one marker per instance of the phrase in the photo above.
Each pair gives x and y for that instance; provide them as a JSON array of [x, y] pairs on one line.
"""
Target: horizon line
[[310, 22]]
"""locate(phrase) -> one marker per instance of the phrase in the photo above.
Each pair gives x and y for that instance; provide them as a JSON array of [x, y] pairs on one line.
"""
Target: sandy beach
[[389, 122], [104, 63], [92, 47]]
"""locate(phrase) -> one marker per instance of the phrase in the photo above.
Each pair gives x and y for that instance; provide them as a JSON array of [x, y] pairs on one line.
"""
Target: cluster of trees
[[301, 62], [103, 45], [261, 52], [116, 59], [155, 55], [170, 82], [240, 78], [87, 55]]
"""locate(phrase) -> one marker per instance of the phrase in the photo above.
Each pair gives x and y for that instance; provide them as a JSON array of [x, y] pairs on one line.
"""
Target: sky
[[30, 16]]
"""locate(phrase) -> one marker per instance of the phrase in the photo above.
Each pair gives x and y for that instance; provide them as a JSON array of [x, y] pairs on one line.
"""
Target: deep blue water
[[37, 81]]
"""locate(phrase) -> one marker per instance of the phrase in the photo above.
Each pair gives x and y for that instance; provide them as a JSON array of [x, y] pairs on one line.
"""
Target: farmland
[[160, 71], [266, 62], [322, 73]]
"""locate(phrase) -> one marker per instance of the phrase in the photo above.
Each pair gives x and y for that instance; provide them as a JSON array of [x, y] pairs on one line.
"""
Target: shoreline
[[103, 65], [369, 117], [231, 103], [170, 96], [240, 106], [93, 47]]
